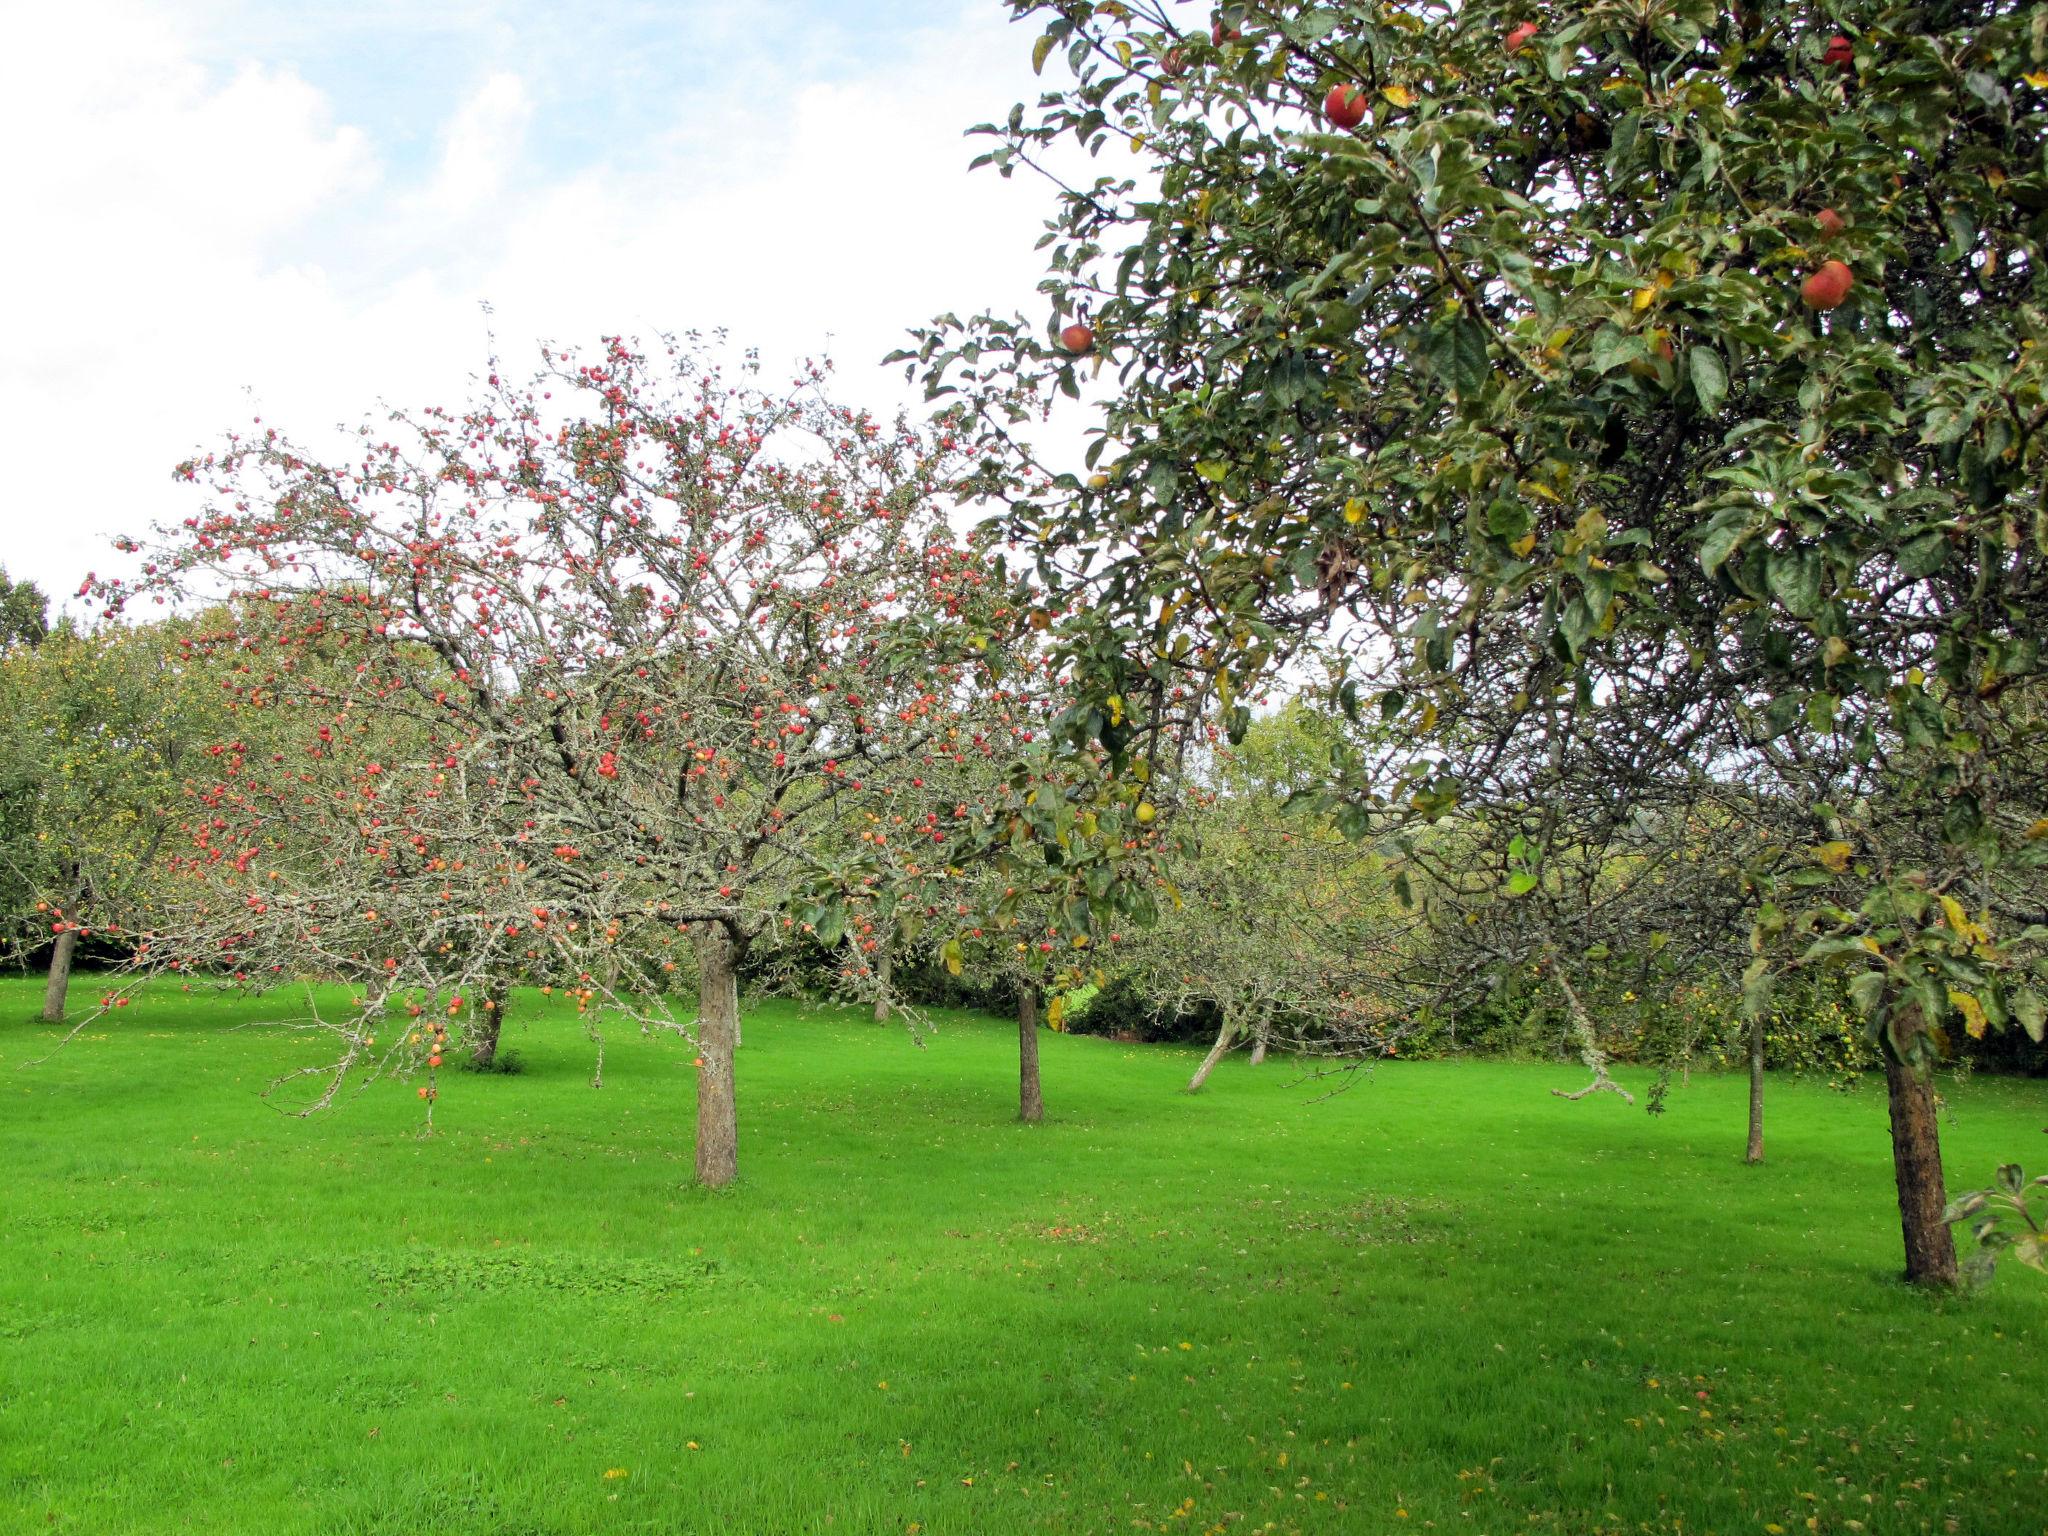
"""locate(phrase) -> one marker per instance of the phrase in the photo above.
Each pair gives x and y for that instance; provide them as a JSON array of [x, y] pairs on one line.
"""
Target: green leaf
[[1507, 519], [1924, 554], [1963, 819], [1709, 378], [1521, 882], [831, 923], [1162, 480], [1793, 576], [1866, 990], [2026, 1006], [1575, 627], [1722, 540]]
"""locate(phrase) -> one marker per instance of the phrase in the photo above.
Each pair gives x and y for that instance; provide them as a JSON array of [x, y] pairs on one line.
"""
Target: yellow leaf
[[612, 1474], [1399, 95], [2037, 78], [1972, 1011], [1959, 922], [1523, 545], [1354, 510], [1834, 856], [2038, 830], [1645, 297]]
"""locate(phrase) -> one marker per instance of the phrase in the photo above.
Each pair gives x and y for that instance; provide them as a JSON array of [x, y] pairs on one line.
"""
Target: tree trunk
[[59, 985], [1224, 1040], [1030, 1098], [1756, 1091], [884, 971], [718, 1137], [1916, 1160], [490, 1019], [1258, 1050]]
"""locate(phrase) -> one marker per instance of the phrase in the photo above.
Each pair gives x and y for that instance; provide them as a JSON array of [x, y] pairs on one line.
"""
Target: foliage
[[101, 726], [1277, 925], [2001, 1221], [24, 613]]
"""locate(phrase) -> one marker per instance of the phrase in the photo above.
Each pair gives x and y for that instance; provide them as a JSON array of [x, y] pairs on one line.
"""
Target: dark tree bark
[[718, 1022], [1756, 1091], [1916, 1160], [58, 988], [1030, 1098]]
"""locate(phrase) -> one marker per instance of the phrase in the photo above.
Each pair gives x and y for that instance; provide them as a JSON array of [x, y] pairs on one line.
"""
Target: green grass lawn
[[1442, 1300]]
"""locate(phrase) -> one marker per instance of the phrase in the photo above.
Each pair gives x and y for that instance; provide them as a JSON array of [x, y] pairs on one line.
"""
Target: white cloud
[[184, 235], [483, 146]]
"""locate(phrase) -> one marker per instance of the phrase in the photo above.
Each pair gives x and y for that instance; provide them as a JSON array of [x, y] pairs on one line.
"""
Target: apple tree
[[588, 671], [1591, 348], [100, 725]]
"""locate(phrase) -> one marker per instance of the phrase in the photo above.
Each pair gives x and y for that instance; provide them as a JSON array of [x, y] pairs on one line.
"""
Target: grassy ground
[[1444, 1300]]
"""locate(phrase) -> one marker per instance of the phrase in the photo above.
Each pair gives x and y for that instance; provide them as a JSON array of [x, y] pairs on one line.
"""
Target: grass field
[[1443, 1300]]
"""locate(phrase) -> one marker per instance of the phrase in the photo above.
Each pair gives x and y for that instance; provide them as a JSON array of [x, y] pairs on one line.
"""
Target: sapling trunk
[[1756, 1090], [1030, 1097]]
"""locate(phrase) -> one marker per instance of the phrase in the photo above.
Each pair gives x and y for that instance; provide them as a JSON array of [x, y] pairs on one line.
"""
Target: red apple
[[1827, 287], [1831, 223], [1175, 63], [1519, 38], [1344, 106], [1220, 34], [1840, 52], [1078, 339]]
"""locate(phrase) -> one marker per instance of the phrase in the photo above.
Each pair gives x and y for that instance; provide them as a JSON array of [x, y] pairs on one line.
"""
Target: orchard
[[1301, 870]]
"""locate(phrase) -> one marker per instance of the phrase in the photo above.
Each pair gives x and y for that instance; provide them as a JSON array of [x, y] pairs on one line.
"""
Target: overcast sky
[[217, 210]]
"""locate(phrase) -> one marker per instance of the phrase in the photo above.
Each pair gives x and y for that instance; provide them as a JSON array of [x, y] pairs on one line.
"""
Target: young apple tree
[[99, 726]]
